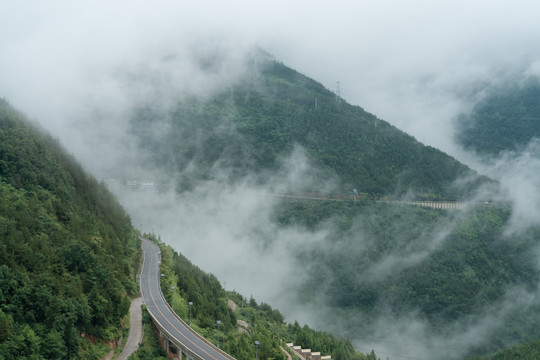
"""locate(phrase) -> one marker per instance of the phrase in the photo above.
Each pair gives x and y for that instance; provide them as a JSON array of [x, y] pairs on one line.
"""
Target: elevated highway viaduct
[[173, 330]]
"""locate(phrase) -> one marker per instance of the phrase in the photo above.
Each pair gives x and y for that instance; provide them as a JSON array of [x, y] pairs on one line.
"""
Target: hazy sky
[[402, 60]]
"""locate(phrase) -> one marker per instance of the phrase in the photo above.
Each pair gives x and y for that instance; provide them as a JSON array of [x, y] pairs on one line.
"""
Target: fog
[[81, 70], [415, 64]]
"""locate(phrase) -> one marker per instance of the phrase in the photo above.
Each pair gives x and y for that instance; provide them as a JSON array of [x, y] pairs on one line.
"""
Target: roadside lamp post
[[190, 305], [257, 349], [218, 323]]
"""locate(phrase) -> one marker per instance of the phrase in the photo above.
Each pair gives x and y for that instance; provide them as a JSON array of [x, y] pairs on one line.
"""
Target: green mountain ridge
[[68, 252], [506, 119], [246, 129], [386, 262]]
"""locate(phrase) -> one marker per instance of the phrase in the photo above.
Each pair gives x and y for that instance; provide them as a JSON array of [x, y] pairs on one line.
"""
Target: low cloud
[[517, 174], [81, 70], [403, 259], [409, 336], [228, 231]]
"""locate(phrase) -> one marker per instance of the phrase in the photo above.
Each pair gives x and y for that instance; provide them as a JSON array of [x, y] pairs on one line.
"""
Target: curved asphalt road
[[156, 305]]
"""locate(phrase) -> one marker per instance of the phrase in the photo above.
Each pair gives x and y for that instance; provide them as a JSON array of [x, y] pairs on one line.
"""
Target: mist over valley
[[304, 192], [367, 270]]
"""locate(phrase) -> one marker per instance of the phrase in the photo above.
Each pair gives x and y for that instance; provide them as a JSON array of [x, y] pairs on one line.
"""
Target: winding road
[[173, 328]]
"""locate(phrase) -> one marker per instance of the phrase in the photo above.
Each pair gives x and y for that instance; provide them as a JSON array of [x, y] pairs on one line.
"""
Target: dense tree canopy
[[506, 119], [526, 351], [383, 260], [248, 128], [66, 250]]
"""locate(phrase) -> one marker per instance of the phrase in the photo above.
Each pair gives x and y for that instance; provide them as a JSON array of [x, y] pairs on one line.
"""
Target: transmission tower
[[338, 92]]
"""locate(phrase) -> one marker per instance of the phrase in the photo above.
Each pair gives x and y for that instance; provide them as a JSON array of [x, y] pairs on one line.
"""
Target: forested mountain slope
[[527, 351], [506, 119], [247, 128], [67, 250], [382, 264]]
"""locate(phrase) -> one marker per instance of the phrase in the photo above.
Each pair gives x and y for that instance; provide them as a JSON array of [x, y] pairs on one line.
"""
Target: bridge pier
[[181, 353], [165, 342]]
